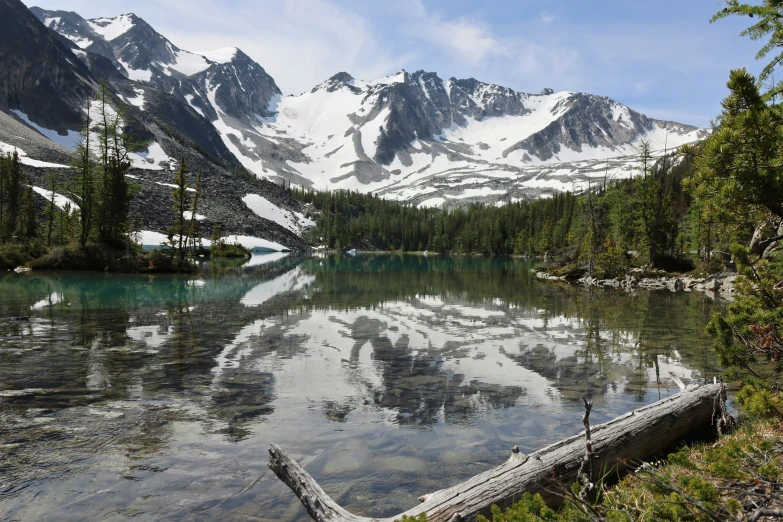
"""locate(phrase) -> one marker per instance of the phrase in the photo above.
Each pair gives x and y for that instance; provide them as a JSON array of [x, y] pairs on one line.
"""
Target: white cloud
[[643, 87], [464, 39], [468, 40], [476, 49], [299, 42], [547, 18]]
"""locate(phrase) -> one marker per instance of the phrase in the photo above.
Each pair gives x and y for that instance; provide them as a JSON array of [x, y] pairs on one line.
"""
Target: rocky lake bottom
[[386, 376]]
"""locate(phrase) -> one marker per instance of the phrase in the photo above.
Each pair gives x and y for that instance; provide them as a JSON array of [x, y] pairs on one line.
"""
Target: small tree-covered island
[[401, 299], [96, 230]]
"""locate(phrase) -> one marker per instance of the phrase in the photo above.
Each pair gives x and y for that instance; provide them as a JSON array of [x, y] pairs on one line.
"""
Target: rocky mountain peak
[[341, 77], [137, 46], [72, 26], [112, 28]]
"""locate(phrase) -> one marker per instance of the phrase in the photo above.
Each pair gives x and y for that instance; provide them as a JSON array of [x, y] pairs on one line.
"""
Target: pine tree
[[14, 190], [214, 238], [114, 146], [84, 186], [739, 168], [178, 233], [770, 23], [50, 211], [26, 220], [193, 229]]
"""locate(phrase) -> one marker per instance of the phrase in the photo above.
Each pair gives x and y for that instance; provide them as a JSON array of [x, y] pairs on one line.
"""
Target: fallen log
[[615, 445]]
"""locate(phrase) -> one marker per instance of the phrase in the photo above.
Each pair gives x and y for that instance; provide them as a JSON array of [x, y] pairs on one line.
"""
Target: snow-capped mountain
[[417, 137], [409, 136], [46, 80]]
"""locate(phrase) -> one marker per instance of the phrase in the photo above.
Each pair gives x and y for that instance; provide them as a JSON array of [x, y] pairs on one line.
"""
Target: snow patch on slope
[[138, 75], [138, 100], [189, 215], [262, 207], [189, 63], [5, 148], [152, 239], [111, 28], [151, 159], [69, 141], [59, 200], [398, 77], [223, 55], [83, 43], [189, 98]]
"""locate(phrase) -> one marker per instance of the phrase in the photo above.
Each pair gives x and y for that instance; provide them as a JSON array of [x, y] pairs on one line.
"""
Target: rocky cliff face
[[41, 77]]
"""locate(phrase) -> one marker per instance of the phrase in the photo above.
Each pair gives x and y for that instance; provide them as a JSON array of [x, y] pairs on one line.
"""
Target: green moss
[[681, 458], [418, 518], [527, 509], [770, 472], [701, 473]]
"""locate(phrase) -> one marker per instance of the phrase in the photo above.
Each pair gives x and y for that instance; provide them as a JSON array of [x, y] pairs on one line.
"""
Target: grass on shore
[[739, 477]]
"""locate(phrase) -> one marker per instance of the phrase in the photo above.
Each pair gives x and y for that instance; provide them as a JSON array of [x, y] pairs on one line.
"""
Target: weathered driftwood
[[615, 445]]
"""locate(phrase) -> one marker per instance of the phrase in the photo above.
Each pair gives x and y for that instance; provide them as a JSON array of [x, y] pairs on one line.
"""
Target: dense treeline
[[351, 218], [651, 214]]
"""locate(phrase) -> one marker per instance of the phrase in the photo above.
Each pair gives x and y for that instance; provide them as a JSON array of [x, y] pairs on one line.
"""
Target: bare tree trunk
[[761, 241], [614, 446]]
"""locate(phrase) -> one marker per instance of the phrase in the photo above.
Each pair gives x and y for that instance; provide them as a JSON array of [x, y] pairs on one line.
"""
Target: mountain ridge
[[408, 136]]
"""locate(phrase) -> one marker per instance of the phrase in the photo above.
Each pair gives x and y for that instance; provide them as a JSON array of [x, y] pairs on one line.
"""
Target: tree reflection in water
[[392, 373]]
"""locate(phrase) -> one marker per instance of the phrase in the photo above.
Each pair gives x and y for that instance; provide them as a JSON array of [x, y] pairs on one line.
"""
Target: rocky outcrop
[[716, 285]]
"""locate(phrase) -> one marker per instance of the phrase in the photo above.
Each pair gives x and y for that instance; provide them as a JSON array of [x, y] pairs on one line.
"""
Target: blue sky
[[662, 58]]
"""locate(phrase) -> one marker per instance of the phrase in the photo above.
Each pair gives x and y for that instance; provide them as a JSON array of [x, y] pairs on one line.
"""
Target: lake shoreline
[[100, 258], [718, 285]]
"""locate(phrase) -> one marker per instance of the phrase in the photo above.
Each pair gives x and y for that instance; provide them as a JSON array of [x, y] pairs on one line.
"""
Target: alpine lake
[[386, 376]]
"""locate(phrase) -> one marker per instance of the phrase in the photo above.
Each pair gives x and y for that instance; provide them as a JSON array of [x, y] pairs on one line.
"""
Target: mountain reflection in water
[[388, 375]]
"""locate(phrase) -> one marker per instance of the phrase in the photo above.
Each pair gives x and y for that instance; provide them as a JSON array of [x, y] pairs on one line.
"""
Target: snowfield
[[70, 141], [60, 201], [338, 126], [262, 207], [152, 239], [24, 160], [111, 28]]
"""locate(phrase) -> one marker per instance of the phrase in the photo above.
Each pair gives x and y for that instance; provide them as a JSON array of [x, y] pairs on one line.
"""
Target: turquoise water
[[387, 376]]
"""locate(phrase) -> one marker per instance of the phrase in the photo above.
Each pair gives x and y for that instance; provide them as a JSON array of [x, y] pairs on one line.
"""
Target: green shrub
[[529, 508], [418, 518], [223, 249], [758, 400]]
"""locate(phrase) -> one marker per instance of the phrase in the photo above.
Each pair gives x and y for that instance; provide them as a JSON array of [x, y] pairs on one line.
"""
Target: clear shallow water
[[387, 376]]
